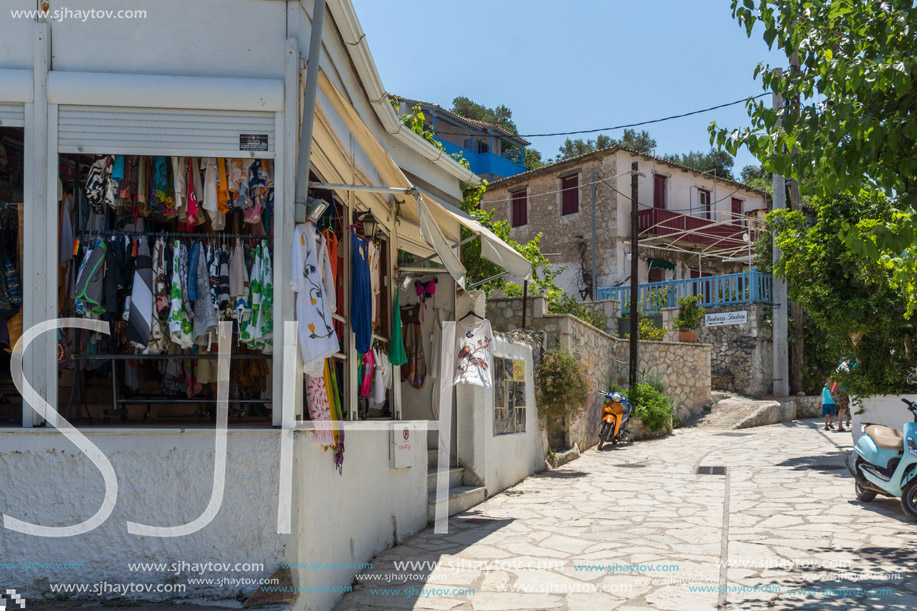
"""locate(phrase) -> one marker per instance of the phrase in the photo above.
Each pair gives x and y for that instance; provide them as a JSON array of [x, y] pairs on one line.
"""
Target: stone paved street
[[636, 527]]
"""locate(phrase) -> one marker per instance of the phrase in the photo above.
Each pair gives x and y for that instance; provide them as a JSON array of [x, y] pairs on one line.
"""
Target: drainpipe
[[308, 112]]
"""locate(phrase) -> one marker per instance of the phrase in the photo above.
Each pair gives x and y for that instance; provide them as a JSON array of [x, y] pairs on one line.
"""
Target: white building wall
[[164, 479]]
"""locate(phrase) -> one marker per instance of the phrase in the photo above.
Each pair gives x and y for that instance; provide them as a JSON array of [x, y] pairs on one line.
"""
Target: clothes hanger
[[472, 313]]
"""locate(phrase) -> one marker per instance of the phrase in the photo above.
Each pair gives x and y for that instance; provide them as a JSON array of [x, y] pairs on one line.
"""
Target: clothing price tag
[[252, 142]]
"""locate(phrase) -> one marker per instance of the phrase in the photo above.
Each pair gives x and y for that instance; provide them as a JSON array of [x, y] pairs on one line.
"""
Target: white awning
[[493, 248]]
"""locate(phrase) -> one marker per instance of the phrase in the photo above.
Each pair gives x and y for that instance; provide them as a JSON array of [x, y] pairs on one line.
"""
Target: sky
[[564, 66]]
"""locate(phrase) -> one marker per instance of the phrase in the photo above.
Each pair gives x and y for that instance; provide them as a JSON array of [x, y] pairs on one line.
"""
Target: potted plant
[[690, 317]]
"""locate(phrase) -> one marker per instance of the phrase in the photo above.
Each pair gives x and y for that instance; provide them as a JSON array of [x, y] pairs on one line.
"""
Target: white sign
[[403, 436], [726, 318]]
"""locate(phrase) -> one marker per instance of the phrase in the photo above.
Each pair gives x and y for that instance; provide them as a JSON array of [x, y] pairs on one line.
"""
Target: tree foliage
[[501, 115], [716, 160], [533, 159], [637, 141], [852, 299], [757, 177], [849, 122]]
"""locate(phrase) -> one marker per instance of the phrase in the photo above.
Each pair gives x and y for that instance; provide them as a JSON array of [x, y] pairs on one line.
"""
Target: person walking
[[828, 407]]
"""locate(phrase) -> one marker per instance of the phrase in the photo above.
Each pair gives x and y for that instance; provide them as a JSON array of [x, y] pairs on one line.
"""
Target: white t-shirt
[[474, 349]]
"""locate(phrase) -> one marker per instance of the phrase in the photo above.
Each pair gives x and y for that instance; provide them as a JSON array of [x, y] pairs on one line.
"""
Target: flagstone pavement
[[636, 527]]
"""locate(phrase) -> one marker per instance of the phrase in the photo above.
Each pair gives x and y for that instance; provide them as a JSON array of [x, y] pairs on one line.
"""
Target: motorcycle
[[615, 415], [880, 464]]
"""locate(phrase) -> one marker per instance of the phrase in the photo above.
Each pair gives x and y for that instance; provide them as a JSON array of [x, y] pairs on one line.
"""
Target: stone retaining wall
[[684, 367], [741, 355]]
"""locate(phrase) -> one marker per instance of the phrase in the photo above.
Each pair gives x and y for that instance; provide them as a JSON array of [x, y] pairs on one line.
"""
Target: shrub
[[691, 315], [562, 386], [651, 406], [648, 331], [567, 304]]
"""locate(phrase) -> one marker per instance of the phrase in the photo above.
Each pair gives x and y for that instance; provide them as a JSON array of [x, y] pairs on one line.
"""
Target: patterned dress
[[179, 319]]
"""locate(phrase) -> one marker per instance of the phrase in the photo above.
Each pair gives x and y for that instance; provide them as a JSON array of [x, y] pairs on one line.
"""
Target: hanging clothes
[[396, 353], [374, 281], [415, 371], [180, 317], [317, 339], [474, 348], [317, 399], [366, 373], [140, 321], [360, 293], [382, 379], [204, 318], [89, 293], [238, 285]]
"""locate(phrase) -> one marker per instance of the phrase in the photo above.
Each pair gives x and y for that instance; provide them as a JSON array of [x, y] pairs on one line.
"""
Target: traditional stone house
[[691, 223]]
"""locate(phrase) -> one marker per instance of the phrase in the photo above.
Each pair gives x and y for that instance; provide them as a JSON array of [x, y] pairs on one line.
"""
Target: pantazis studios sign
[[721, 319]]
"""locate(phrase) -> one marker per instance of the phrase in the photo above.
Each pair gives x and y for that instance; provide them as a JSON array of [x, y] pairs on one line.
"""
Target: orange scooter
[[615, 415]]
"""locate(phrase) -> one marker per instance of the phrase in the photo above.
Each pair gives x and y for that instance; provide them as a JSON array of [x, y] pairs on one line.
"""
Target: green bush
[[567, 304], [691, 315], [648, 331], [562, 386], [651, 406]]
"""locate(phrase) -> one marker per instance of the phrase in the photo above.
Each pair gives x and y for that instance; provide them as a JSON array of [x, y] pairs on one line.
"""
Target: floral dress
[[180, 318]]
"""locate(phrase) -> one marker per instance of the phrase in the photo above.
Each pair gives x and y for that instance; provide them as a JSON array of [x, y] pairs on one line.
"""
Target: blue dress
[[360, 293]]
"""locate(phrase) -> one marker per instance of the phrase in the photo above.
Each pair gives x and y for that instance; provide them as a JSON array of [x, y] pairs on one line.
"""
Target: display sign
[[721, 319], [403, 438], [252, 142]]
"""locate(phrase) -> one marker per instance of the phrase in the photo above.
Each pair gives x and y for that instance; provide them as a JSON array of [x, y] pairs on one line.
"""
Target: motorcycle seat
[[886, 437]]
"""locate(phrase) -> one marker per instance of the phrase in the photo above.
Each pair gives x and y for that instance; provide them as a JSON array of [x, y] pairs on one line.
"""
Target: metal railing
[[724, 290]]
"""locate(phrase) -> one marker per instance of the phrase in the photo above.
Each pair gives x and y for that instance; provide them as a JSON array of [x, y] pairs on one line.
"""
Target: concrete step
[[460, 499], [455, 478]]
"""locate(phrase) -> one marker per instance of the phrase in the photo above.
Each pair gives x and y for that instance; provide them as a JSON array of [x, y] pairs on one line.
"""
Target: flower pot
[[687, 336]]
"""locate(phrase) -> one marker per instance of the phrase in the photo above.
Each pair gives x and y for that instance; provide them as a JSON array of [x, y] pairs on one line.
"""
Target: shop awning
[[493, 248], [437, 222], [660, 264]]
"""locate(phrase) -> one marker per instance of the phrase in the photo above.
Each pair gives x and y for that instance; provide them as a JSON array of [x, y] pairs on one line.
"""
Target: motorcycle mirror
[[912, 378]]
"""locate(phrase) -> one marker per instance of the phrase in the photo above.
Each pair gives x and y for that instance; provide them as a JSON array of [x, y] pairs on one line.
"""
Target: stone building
[[691, 224]]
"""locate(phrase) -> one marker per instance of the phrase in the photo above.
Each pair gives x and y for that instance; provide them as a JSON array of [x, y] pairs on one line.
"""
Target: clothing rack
[[173, 234]]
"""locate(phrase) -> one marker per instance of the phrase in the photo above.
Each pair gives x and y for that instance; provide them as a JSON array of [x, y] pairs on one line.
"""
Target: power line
[[624, 126]]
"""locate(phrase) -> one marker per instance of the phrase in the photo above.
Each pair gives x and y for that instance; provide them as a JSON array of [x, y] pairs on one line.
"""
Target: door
[[659, 191]]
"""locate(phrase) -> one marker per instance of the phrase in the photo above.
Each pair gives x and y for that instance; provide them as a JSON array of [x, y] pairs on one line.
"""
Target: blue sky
[[573, 65]]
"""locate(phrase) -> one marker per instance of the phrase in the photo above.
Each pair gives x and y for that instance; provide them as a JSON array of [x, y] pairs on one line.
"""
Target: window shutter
[[520, 209], [569, 186], [695, 199]]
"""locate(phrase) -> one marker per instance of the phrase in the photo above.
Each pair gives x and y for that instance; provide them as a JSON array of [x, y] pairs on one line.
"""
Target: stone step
[[455, 478], [460, 499]]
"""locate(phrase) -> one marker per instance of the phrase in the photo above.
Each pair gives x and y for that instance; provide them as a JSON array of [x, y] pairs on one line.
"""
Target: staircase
[[461, 497]]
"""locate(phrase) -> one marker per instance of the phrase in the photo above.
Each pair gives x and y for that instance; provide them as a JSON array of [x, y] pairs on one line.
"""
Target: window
[[736, 208], [519, 216], [656, 275], [569, 190], [659, 191], [703, 202], [509, 396]]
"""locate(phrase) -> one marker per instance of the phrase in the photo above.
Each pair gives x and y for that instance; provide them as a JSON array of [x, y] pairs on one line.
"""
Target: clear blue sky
[[562, 66]]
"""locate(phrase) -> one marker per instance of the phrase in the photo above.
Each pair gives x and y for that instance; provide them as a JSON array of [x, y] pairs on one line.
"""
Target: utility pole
[[594, 263], [634, 281], [781, 367]]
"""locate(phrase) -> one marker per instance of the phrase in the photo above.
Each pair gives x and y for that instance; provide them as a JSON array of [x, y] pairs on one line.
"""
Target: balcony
[[724, 290], [695, 229], [501, 166]]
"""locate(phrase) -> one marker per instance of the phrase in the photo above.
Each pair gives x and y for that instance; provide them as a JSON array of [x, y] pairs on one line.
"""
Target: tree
[[715, 159], [501, 115], [533, 159], [757, 177], [850, 122], [641, 142], [852, 299]]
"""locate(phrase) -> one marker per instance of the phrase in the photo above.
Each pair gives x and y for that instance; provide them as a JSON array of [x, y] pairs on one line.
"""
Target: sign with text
[[722, 319], [403, 436]]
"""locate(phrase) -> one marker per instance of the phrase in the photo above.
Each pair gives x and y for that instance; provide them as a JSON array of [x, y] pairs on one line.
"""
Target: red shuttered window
[[569, 186], [520, 211]]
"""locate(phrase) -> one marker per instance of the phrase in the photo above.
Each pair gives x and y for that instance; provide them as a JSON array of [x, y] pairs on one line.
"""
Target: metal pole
[[308, 111], [780, 362], [594, 286], [634, 282]]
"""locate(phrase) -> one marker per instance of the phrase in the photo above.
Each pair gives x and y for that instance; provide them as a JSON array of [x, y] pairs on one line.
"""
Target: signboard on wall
[[721, 319], [403, 438]]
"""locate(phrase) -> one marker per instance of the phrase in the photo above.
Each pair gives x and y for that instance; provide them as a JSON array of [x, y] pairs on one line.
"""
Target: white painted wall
[[17, 42], [351, 517], [882, 409], [164, 479]]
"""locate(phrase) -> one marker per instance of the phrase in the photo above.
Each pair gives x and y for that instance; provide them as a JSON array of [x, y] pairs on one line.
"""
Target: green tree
[[533, 160], [501, 115], [849, 122], [714, 159], [572, 148], [852, 299], [641, 142], [757, 177]]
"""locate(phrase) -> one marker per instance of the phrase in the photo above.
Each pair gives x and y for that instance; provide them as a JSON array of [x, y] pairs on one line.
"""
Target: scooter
[[615, 415], [880, 464]]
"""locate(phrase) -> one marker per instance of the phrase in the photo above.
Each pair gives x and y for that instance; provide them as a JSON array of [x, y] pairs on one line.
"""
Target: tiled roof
[[472, 122], [572, 161]]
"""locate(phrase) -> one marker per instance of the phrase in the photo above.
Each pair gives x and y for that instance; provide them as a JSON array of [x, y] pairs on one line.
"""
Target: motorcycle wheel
[[909, 500], [603, 434], [864, 494]]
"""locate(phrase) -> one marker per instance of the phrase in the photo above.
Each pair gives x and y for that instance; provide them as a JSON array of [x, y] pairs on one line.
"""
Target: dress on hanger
[[317, 338]]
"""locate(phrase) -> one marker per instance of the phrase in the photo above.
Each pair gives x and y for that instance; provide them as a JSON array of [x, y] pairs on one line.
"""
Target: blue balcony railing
[[488, 163], [728, 289]]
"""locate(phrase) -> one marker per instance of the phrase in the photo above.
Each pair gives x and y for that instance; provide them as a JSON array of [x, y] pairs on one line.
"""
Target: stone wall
[[741, 355], [684, 367]]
